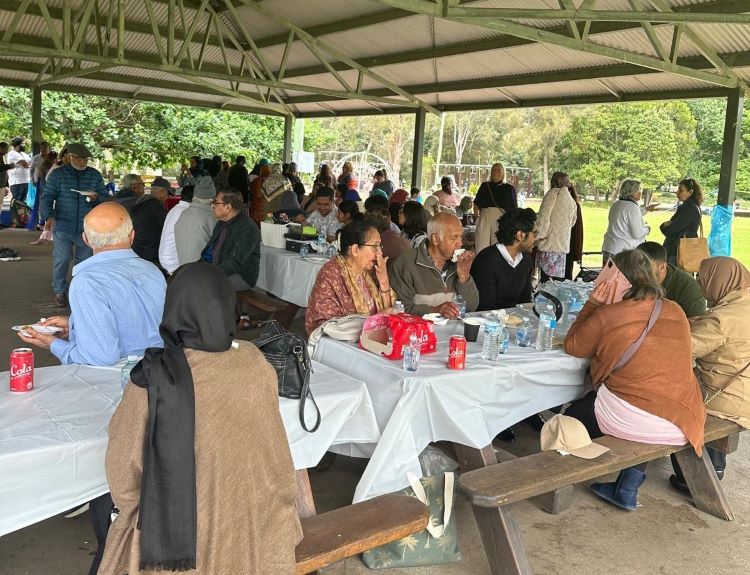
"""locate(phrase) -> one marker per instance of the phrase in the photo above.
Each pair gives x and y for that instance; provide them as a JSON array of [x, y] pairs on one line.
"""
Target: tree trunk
[[546, 169]]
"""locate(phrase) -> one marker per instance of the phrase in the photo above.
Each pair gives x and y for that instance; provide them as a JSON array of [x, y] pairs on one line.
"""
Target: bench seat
[[341, 533], [543, 472]]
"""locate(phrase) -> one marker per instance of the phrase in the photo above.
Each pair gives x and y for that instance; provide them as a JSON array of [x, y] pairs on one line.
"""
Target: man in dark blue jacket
[[70, 193]]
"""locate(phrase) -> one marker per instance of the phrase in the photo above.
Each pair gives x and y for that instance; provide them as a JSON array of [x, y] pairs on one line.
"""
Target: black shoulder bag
[[287, 353]]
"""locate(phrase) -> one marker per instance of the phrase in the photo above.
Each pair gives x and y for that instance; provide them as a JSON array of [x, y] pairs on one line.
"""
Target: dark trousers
[[100, 511], [718, 459], [583, 410], [570, 259]]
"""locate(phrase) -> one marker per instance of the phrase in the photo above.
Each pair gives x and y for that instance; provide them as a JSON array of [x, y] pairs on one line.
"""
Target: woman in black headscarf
[[198, 460]]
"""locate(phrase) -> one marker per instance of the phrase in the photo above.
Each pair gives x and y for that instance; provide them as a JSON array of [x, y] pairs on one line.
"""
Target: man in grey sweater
[[196, 223], [428, 278]]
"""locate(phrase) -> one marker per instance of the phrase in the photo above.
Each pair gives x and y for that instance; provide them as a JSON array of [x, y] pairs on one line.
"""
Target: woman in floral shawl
[[355, 282]]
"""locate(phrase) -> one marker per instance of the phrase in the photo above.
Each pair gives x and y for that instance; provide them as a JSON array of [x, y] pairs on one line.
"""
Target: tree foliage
[[141, 133]]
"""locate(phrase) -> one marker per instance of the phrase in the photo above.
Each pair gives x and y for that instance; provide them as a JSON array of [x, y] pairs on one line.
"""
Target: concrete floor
[[667, 535]]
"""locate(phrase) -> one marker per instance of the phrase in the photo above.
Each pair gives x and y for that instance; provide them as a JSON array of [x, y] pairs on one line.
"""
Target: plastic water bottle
[[125, 371], [411, 353], [322, 244], [547, 324], [331, 251], [303, 251], [461, 303], [491, 346], [504, 339], [398, 307], [523, 333]]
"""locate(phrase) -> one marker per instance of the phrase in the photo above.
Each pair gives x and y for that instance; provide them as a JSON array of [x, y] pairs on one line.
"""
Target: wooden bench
[[341, 533], [280, 310], [550, 477]]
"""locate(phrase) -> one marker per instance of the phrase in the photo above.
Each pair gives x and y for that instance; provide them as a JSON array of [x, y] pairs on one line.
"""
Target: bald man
[[427, 279], [116, 298]]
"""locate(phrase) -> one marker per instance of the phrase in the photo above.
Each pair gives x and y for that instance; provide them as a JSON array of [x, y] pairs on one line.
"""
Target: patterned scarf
[[350, 279]]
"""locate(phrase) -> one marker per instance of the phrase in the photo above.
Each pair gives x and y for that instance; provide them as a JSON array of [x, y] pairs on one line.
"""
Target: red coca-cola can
[[22, 369], [457, 352]]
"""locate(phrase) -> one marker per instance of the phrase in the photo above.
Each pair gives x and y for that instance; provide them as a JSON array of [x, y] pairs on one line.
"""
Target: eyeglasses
[[218, 203], [376, 247]]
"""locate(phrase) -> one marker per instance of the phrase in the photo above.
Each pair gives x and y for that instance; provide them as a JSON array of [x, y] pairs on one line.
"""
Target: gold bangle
[[386, 291]]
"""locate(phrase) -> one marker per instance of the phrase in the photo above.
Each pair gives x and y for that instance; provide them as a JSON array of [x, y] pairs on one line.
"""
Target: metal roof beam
[[737, 59], [592, 15], [538, 103], [547, 37], [485, 44], [34, 49]]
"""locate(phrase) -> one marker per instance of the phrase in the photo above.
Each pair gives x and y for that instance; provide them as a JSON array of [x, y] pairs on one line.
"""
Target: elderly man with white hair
[[428, 278], [116, 298]]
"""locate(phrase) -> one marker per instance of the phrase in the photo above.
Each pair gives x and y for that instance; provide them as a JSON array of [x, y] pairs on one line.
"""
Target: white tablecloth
[[288, 276], [469, 407], [53, 439]]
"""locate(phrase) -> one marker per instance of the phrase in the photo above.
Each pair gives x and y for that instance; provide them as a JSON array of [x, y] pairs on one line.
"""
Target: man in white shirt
[[324, 217], [37, 161], [18, 177], [168, 244]]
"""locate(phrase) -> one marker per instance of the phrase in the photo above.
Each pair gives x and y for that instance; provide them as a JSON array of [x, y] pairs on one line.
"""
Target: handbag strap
[[304, 370], [708, 399], [435, 530], [700, 220], [633, 347]]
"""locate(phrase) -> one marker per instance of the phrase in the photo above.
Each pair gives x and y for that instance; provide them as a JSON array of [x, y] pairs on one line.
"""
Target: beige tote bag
[[692, 251]]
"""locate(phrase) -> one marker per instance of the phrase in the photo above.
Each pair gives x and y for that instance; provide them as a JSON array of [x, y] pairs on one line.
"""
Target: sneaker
[[61, 300], [77, 511]]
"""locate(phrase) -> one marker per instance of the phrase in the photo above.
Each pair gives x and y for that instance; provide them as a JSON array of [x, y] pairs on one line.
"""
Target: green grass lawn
[[595, 224]]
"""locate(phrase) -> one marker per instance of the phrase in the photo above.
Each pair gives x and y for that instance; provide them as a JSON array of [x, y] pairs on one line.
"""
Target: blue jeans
[[62, 253]]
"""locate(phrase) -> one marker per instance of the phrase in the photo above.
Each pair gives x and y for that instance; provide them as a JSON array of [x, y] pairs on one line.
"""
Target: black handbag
[[287, 353]]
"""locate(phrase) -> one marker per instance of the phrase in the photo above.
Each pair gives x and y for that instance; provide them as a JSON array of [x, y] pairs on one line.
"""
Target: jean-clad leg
[[83, 252], [62, 253]]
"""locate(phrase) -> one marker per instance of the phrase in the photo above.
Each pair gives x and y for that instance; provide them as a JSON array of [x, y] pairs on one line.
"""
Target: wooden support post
[[704, 485], [501, 536], [416, 163], [731, 148], [728, 444], [36, 119]]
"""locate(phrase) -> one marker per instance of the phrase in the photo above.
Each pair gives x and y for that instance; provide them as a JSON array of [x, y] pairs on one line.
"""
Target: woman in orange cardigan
[[652, 398]]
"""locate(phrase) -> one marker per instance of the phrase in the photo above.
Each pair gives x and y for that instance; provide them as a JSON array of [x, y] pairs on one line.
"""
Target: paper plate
[[36, 327]]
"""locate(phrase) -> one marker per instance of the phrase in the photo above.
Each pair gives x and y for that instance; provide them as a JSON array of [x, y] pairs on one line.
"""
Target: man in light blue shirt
[[116, 298]]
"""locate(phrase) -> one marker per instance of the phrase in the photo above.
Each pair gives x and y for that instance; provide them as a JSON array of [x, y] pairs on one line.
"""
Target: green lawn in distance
[[595, 224]]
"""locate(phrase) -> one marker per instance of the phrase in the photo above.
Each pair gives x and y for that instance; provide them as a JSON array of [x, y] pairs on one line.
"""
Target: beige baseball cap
[[568, 435]]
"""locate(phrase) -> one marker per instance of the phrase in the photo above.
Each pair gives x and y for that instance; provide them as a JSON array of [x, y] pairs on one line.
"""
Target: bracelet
[[386, 291]]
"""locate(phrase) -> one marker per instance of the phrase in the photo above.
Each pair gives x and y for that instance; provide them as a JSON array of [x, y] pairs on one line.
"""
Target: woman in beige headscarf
[[720, 342], [494, 198]]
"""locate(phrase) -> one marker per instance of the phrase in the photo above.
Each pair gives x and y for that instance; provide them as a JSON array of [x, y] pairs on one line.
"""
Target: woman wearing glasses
[[686, 220], [354, 282]]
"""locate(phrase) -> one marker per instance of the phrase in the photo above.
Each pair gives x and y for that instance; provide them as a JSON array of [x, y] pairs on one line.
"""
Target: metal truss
[[96, 37], [503, 20]]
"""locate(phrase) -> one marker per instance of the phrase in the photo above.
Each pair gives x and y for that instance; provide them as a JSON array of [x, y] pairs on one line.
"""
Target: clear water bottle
[[125, 371], [303, 251], [322, 244], [411, 353], [461, 303], [491, 345], [547, 324], [398, 307], [504, 339], [331, 251], [523, 333]]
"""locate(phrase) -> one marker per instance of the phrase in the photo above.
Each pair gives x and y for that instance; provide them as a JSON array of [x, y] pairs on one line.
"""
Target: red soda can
[[22, 369], [457, 352]]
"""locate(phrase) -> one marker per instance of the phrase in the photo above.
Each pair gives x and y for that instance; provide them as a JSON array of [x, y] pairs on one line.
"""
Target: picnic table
[[53, 439], [288, 276], [468, 408]]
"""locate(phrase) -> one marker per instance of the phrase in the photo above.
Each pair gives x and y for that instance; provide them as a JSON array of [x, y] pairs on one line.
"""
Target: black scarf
[[198, 314]]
